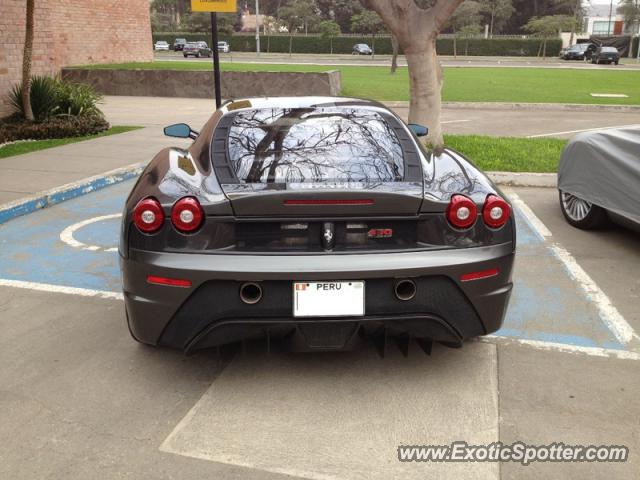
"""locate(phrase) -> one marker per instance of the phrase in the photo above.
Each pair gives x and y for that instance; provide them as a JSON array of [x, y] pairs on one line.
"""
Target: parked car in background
[[223, 47], [313, 220], [579, 51], [196, 49], [599, 178], [606, 55], [161, 45], [179, 44], [362, 49]]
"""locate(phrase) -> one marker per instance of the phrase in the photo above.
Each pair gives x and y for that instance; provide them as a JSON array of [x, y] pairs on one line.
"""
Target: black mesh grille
[[218, 302]]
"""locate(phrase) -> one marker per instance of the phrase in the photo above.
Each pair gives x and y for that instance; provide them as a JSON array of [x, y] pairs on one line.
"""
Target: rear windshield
[[334, 144]]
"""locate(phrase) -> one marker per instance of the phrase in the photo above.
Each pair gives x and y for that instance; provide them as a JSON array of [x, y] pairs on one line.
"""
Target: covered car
[[599, 178], [317, 221]]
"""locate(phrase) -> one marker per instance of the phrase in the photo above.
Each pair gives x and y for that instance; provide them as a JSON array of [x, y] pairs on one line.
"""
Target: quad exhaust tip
[[405, 290], [250, 293]]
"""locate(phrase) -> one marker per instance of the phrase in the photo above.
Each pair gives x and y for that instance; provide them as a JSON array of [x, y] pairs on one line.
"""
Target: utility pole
[[610, 15], [258, 27]]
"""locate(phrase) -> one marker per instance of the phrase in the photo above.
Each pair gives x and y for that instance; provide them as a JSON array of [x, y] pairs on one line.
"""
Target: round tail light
[[187, 215], [462, 212], [496, 212], [148, 215]]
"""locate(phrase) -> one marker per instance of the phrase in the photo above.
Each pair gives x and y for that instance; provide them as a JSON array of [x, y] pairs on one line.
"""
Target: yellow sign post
[[221, 6], [215, 6]]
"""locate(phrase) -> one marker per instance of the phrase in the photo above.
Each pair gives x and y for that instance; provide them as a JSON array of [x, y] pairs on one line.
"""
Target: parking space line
[[46, 287], [66, 236], [568, 132], [531, 218], [562, 347], [608, 312]]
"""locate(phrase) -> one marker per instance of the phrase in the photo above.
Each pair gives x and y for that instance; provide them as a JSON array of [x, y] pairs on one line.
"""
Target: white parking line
[[534, 222], [46, 287], [568, 132], [454, 121], [562, 347], [609, 314], [66, 235]]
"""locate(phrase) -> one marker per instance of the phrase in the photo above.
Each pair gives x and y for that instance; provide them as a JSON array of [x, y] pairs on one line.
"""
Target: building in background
[[72, 32], [604, 19]]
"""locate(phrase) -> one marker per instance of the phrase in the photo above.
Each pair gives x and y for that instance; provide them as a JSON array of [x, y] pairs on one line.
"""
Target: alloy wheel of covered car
[[580, 213]]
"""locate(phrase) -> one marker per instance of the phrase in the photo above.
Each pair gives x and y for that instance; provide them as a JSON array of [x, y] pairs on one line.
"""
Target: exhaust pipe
[[250, 293], [405, 290]]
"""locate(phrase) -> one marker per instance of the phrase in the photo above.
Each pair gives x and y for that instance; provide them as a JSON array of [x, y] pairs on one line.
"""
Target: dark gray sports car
[[316, 221]]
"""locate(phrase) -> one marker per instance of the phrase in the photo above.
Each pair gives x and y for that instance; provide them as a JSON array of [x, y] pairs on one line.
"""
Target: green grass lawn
[[21, 148], [509, 154], [527, 85]]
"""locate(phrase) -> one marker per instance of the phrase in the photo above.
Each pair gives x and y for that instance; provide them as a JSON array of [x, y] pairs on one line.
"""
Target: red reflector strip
[[331, 201], [467, 277], [170, 282]]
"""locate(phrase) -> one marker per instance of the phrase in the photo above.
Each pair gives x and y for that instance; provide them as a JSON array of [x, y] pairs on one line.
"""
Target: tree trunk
[[373, 46], [544, 49], [290, 43], [455, 46], [331, 45], [425, 80], [491, 27], [394, 58], [26, 62]]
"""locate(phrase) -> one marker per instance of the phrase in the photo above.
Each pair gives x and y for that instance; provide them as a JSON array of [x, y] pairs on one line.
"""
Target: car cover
[[603, 168]]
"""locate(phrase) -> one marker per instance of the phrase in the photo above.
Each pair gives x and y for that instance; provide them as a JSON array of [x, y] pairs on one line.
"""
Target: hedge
[[12, 128], [518, 47]]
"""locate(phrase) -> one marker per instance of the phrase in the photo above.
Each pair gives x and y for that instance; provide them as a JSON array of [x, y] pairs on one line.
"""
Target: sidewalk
[[24, 175]]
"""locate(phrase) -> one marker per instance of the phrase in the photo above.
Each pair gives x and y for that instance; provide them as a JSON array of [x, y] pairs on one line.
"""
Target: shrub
[[43, 98], [77, 99], [52, 97], [56, 127]]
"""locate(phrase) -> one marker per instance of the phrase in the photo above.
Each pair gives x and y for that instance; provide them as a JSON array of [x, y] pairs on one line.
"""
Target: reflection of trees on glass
[[314, 145]]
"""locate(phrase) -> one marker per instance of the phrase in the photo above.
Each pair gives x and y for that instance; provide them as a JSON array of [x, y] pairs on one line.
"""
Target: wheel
[[198, 55], [617, 62], [185, 55], [582, 214]]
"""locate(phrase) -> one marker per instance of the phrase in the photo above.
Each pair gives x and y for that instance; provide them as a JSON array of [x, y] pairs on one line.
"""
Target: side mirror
[[419, 130], [180, 130]]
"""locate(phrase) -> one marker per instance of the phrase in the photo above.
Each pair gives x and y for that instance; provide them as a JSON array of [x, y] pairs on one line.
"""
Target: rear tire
[[582, 214]]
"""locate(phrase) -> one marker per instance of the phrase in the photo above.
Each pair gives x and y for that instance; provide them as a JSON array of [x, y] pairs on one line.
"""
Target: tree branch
[[443, 10]]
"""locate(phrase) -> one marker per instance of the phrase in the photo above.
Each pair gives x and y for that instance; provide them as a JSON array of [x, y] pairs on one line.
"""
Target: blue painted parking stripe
[[48, 198]]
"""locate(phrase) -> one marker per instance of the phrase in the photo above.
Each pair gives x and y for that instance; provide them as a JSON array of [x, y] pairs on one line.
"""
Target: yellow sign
[[225, 6]]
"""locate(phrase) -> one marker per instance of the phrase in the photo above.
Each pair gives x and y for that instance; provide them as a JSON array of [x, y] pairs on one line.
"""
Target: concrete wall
[[72, 32], [190, 84]]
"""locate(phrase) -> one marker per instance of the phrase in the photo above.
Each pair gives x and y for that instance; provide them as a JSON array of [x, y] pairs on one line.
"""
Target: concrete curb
[[550, 107], [40, 200], [513, 179], [48, 198]]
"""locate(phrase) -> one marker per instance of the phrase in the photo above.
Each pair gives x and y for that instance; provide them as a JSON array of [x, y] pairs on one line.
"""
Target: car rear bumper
[[210, 312]]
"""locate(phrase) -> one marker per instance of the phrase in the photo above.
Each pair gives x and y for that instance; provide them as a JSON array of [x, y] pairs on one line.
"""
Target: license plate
[[328, 299]]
